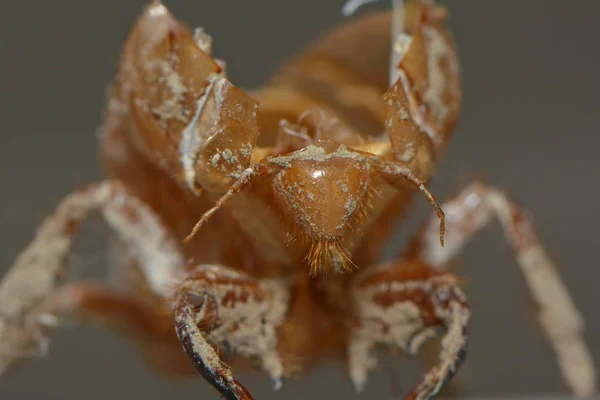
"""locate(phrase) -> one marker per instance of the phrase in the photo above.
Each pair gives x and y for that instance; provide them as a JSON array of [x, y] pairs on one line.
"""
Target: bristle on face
[[328, 252]]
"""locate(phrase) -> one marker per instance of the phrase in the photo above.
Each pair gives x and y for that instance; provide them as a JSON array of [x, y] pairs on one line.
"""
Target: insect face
[[180, 142], [324, 188]]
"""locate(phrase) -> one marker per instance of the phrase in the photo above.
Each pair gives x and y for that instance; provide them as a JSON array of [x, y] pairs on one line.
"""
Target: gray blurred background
[[530, 125]]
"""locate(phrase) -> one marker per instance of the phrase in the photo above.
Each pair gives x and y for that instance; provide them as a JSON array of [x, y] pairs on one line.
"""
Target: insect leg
[[177, 106], [218, 306], [472, 209], [35, 275], [402, 305], [422, 105]]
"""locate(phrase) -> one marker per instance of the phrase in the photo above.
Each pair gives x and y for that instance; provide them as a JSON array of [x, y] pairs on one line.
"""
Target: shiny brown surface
[[541, 183], [333, 205]]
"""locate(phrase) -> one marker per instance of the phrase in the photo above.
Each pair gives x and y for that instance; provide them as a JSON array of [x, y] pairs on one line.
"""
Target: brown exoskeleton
[[252, 223]]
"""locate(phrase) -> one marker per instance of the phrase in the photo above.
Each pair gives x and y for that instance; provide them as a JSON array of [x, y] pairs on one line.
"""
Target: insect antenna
[[258, 170], [394, 169]]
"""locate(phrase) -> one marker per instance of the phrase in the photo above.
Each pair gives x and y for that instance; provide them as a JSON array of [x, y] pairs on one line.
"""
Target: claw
[[203, 356], [454, 346], [415, 342], [242, 315], [402, 305]]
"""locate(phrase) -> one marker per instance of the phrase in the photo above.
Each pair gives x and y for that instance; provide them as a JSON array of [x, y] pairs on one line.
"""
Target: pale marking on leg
[[402, 320], [250, 326], [361, 358], [453, 345], [400, 324], [560, 319], [160, 260], [465, 215], [201, 346], [279, 303], [33, 277], [421, 337], [202, 354]]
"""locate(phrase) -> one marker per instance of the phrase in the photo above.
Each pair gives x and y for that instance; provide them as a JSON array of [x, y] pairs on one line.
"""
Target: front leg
[[218, 306], [472, 209], [401, 305]]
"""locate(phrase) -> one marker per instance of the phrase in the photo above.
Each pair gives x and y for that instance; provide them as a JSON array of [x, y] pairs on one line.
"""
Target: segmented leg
[[34, 278], [218, 306], [177, 106], [562, 323], [402, 305]]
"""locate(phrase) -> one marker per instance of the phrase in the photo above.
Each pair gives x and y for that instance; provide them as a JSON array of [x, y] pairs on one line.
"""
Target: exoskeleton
[[249, 225]]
